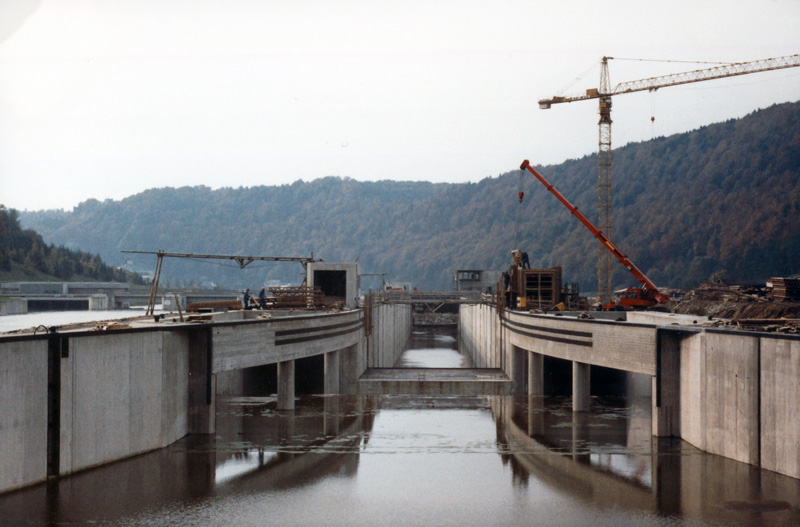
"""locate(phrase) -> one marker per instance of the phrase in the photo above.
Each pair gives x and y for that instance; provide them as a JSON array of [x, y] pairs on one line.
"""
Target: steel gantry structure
[[243, 262], [604, 93]]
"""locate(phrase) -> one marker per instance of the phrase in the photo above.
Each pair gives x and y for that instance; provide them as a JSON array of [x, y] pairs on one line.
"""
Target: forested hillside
[[24, 256], [720, 202]]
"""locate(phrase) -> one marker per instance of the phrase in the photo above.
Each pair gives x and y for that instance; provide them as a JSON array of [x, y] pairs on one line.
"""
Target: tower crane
[[604, 93]]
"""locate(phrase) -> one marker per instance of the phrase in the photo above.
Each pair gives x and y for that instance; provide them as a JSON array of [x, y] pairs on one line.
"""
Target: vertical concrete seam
[[758, 401]]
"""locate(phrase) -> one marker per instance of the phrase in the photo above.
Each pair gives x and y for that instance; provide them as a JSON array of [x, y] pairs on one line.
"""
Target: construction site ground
[[737, 306]]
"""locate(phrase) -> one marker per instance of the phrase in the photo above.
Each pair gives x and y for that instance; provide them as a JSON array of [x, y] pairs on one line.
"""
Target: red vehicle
[[632, 298]]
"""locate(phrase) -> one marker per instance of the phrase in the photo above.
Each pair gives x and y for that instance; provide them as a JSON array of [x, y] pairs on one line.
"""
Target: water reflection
[[417, 460], [412, 460], [428, 350]]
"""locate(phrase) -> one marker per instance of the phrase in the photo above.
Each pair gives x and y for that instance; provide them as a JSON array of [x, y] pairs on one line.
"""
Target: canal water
[[413, 460]]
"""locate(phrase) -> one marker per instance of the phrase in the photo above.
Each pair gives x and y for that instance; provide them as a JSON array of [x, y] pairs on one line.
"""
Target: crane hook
[[521, 195]]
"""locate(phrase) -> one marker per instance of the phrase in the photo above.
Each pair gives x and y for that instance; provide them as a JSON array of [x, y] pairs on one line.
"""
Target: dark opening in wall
[[260, 381], [332, 283], [310, 375]]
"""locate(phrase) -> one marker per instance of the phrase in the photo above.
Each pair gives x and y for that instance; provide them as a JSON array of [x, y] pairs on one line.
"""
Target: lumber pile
[[296, 297], [785, 288]]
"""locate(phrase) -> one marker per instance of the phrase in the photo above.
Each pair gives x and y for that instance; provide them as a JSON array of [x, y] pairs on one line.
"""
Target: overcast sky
[[103, 99]]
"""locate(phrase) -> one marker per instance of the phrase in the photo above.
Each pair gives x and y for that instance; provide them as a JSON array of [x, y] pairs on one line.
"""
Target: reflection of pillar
[[332, 373], [286, 385], [535, 416], [581, 376], [333, 416], [580, 437], [669, 484], [286, 430], [535, 374]]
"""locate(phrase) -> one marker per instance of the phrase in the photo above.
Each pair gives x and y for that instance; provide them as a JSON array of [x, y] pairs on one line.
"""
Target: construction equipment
[[604, 93], [632, 298]]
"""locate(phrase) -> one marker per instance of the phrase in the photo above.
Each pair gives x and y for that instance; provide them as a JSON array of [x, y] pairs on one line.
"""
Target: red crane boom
[[649, 294]]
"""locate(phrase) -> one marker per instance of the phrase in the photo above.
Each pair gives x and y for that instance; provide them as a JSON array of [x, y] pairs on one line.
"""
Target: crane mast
[[604, 93]]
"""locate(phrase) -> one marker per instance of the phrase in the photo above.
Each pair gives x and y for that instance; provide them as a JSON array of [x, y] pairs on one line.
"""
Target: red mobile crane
[[631, 298]]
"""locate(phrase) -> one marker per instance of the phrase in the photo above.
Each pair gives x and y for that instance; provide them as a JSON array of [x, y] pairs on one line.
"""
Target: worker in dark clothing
[[506, 280], [262, 298], [246, 299], [526, 264]]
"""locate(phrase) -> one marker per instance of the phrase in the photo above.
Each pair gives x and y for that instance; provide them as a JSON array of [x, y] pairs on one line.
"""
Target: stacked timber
[[785, 288], [296, 297]]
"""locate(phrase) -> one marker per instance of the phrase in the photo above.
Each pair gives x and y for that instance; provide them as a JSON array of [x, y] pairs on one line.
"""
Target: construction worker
[[246, 299], [262, 298], [526, 264]]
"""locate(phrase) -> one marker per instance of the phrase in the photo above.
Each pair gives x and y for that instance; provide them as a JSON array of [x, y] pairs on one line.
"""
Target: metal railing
[[423, 297]]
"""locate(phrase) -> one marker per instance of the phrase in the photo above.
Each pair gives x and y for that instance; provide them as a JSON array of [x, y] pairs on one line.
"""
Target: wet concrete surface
[[418, 460]]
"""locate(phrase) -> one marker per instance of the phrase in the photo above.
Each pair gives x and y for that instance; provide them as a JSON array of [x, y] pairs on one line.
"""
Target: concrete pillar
[[581, 380], [666, 393], [286, 385], [332, 373], [535, 374], [518, 370], [202, 395], [352, 365]]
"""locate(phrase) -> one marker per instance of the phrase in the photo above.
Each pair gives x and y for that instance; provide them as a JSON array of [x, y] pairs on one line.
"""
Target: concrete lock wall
[[734, 394], [122, 395], [780, 405], [391, 332], [103, 396], [259, 342], [480, 335], [23, 413], [739, 397]]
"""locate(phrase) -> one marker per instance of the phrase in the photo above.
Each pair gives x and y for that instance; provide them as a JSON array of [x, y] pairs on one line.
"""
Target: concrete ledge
[[434, 381]]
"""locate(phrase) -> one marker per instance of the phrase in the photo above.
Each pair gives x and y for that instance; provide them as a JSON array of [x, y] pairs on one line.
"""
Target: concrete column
[[535, 374], [286, 385], [666, 393], [352, 365], [201, 403], [581, 380], [332, 373], [518, 370]]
